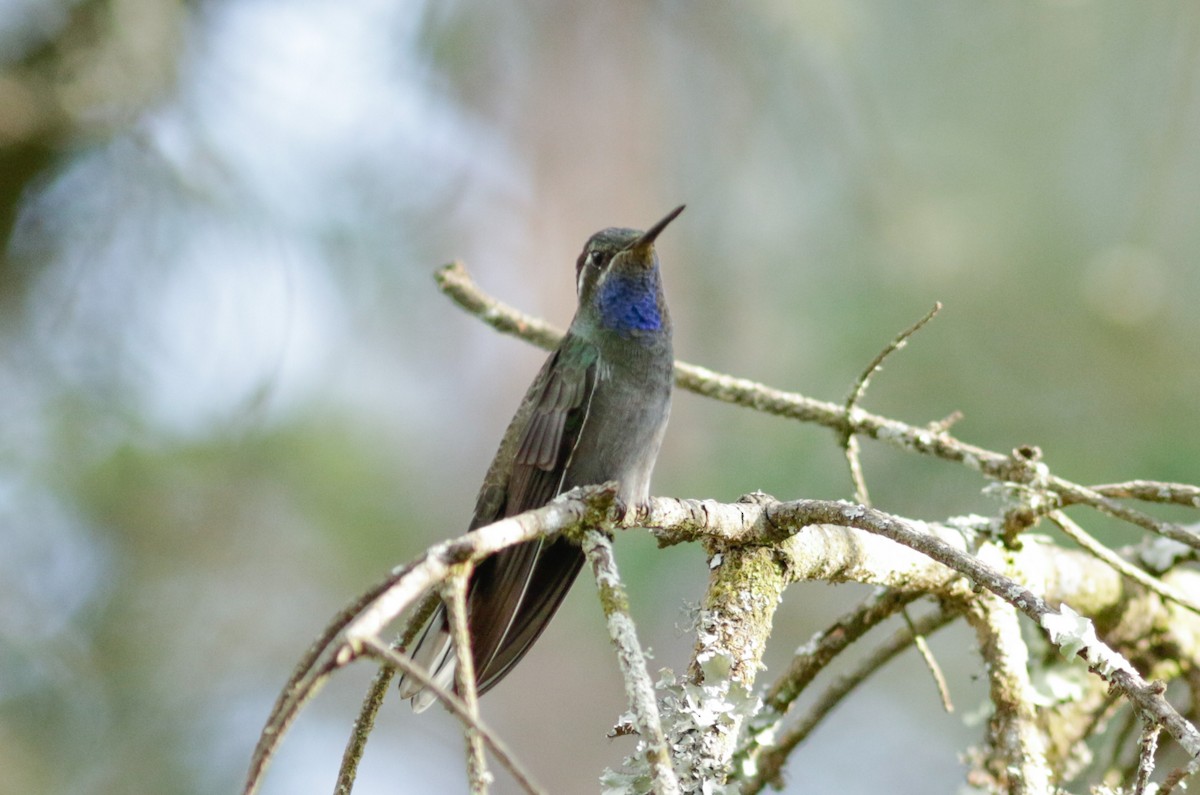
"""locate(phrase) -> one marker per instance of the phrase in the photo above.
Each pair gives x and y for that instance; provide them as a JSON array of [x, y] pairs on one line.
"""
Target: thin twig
[[810, 659], [935, 670], [860, 386], [457, 707], [454, 596], [1178, 776], [1152, 491], [768, 770], [853, 452], [849, 442], [1147, 747], [1093, 547], [828, 643], [1072, 493], [638, 685], [363, 725], [303, 683]]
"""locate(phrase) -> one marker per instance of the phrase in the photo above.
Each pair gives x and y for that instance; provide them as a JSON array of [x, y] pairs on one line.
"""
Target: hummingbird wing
[[514, 593]]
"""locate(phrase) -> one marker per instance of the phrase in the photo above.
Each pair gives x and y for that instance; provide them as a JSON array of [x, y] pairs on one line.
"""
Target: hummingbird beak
[[644, 244]]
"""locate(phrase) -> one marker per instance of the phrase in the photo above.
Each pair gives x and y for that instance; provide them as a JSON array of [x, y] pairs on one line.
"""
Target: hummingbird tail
[[434, 652]]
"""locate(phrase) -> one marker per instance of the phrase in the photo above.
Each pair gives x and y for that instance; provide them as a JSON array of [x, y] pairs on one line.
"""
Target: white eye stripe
[[592, 269], [582, 276]]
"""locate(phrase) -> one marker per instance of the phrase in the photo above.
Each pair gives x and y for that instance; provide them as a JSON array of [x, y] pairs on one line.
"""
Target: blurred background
[[231, 397]]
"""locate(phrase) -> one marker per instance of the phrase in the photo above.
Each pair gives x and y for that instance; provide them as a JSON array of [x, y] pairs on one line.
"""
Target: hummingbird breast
[[626, 419]]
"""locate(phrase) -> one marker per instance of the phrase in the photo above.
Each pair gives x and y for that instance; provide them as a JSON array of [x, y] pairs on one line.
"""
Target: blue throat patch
[[629, 302]]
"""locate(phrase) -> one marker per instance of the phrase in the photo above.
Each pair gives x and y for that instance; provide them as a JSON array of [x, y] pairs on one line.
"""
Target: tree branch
[[1016, 759], [934, 440], [808, 539], [386, 654], [343, 639], [1093, 547], [848, 439], [454, 596], [363, 725], [638, 686], [811, 658], [767, 769]]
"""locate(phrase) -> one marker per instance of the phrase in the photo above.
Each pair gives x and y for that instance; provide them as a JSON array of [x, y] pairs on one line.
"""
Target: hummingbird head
[[618, 280]]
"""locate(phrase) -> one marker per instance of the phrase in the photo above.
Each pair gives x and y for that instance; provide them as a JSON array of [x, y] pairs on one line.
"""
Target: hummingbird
[[596, 412]]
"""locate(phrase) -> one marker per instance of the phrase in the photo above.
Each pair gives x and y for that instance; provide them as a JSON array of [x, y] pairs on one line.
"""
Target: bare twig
[[456, 282], [1178, 776], [810, 659], [303, 683], [1087, 542], [1073, 493], [1152, 491], [849, 442], [342, 641], [363, 725], [853, 452], [935, 670], [454, 596], [769, 767], [639, 688], [860, 386], [457, 707], [827, 644]]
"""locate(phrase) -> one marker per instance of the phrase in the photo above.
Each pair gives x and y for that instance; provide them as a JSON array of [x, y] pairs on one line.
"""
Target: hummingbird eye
[[587, 266]]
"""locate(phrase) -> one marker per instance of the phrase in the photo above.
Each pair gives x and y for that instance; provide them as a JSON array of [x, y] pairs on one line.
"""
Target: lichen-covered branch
[[1015, 760], [454, 596], [615, 603], [746, 583], [764, 544]]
